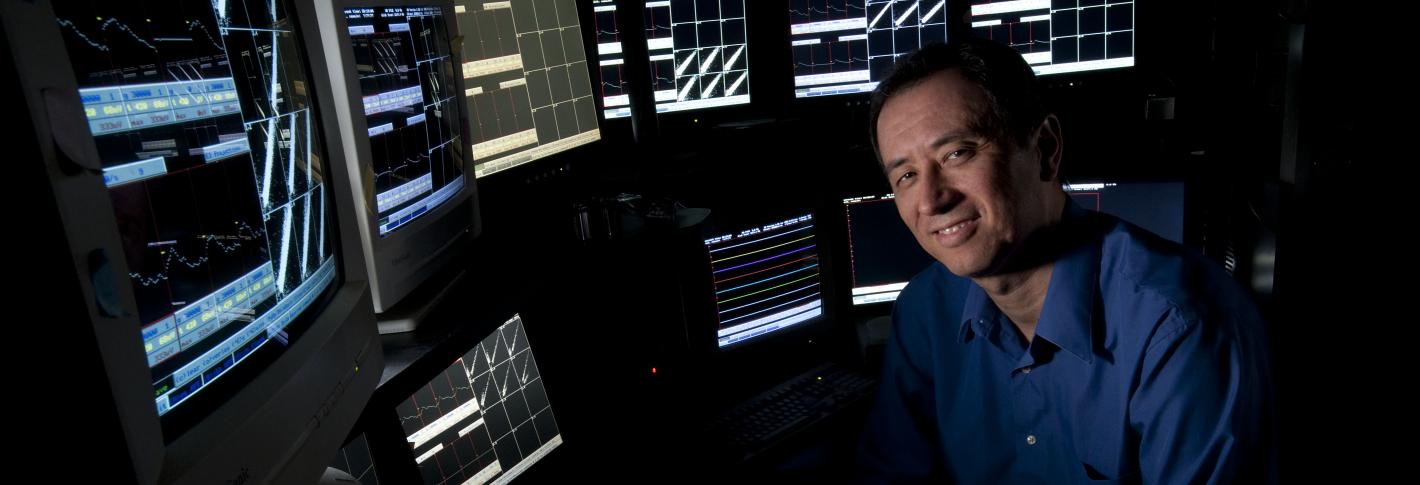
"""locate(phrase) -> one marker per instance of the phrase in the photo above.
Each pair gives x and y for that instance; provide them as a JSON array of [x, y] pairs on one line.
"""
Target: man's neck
[[1019, 295]]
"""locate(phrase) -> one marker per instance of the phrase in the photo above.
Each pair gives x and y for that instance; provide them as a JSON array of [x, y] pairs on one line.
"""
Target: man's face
[[967, 197]]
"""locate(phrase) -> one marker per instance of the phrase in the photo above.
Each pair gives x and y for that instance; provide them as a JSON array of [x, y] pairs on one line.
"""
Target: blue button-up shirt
[[1148, 364]]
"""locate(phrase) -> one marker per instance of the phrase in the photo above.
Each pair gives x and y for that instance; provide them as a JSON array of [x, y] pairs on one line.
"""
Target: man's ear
[[1050, 145]]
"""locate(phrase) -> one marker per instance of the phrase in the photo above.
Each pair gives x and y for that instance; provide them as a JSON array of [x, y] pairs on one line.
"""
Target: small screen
[[527, 85], [766, 279], [848, 46], [698, 53], [486, 418], [1059, 36], [1157, 207], [884, 254], [407, 88], [355, 458]]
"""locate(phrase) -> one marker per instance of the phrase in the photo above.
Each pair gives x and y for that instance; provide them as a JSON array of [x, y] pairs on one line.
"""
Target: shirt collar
[[1067, 316]]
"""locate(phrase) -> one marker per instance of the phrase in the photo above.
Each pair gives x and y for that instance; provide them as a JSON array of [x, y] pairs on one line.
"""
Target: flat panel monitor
[[1155, 206], [484, 419], [527, 85], [848, 46], [883, 254], [766, 279], [698, 52], [1060, 36]]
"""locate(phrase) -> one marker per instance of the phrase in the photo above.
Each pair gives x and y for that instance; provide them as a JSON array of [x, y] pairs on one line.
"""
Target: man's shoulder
[[1138, 266]]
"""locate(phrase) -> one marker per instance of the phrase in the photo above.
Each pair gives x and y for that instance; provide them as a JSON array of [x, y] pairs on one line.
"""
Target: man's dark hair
[[1014, 106]]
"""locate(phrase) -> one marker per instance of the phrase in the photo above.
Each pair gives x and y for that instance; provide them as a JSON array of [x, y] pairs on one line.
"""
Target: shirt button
[[1030, 440], [1025, 370]]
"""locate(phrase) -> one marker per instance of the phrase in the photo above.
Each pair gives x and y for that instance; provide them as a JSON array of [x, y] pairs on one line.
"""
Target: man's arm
[[1201, 404]]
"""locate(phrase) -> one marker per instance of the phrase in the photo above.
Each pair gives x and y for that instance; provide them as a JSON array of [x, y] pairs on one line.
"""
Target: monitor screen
[[883, 253], [203, 125], [1058, 36], [484, 419], [355, 459], [1157, 206], [527, 87], [848, 46], [766, 279], [698, 54], [403, 62]]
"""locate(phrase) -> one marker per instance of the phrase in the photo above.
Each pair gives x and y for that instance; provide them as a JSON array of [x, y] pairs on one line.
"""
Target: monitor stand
[[410, 312]]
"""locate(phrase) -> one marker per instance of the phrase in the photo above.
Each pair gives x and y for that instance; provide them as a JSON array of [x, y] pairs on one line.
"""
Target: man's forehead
[[946, 97]]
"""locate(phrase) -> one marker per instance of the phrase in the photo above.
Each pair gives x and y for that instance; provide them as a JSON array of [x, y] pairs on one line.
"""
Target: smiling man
[[1051, 344]]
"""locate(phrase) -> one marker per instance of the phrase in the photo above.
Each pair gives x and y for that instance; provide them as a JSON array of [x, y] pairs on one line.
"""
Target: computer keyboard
[[756, 425]]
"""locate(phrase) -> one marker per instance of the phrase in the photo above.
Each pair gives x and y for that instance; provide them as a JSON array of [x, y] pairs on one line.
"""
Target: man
[[1052, 344]]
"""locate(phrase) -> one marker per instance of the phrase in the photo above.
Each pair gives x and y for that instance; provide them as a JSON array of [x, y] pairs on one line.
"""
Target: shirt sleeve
[[1200, 405], [898, 443]]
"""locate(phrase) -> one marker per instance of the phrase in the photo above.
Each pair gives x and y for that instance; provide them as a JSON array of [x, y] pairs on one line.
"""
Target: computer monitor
[[391, 69], [848, 46], [883, 254], [527, 85], [232, 326], [698, 53], [1156, 206], [356, 460], [1060, 36], [484, 419], [765, 278]]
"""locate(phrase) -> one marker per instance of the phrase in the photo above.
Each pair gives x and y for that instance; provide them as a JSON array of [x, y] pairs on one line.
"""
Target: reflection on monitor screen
[[528, 89], [203, 128], [402, 59], [1157, 207], [1057, 36], [766, 279], [484, 419], [884, 254], [698, 55], [847, 46]]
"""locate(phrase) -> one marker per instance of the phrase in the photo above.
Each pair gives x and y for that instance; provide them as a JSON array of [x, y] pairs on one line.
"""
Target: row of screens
[[768, 278], [205, 127], [484, 419], [699, 58]]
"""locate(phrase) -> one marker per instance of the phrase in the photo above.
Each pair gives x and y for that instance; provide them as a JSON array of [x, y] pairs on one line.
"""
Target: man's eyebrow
[[948, 137]]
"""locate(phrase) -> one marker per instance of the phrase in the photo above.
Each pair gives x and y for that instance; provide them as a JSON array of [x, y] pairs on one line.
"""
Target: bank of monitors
[[1059, 36], [237, 318], [848, 46], [698, 53], [486, 418], [526, 81]]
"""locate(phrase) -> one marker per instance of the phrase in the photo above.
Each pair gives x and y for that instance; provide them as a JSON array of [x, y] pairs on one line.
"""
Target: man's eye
[[958, 154], [905, 177]]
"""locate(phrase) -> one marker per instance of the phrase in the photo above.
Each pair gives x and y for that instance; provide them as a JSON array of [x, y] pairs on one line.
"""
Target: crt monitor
[[484, 419], [528, 89], [765, 279], [1155, 206], [848, 46], [1060, 36], [398, 110], [698, 53], [883, 254], [232, 329]]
